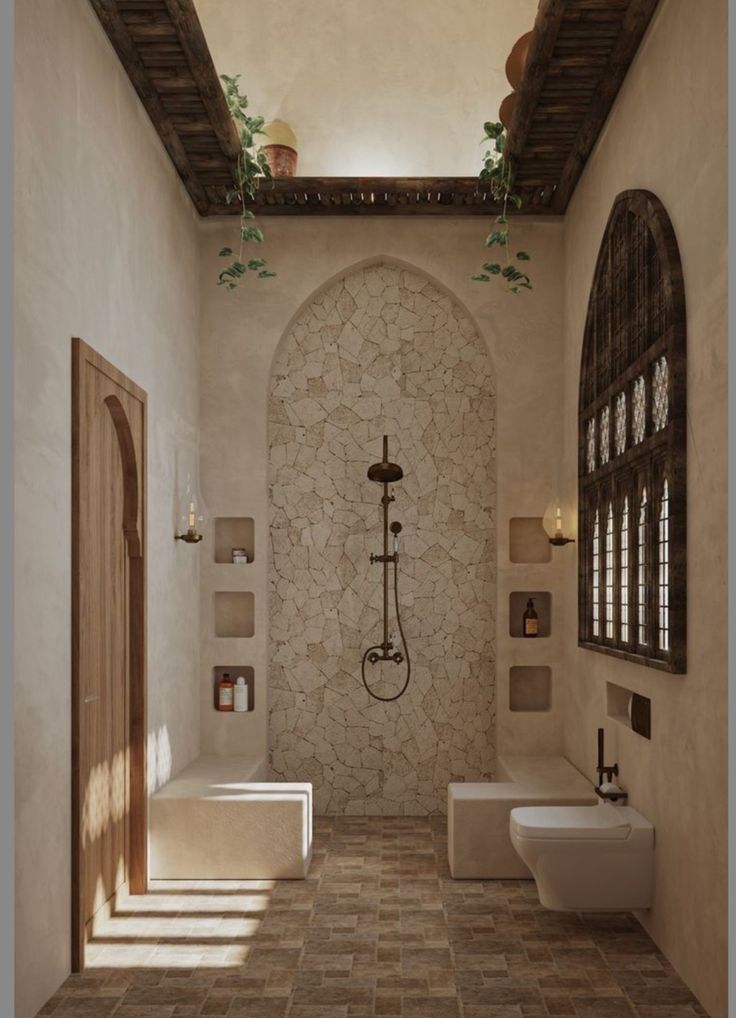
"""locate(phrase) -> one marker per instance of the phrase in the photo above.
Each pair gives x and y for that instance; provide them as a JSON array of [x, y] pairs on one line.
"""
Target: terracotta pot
[[517, 59], [506, 109], [280, 148], [281, 159]]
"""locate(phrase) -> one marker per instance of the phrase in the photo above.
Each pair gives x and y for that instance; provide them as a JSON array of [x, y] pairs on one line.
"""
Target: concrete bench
[[478, 842], [211, 823]]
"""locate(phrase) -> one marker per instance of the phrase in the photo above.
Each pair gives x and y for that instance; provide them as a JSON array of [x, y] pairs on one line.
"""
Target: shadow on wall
[[382, 350]]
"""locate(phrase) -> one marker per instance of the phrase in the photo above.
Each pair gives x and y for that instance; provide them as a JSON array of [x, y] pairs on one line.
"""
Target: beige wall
[[241, 332], [667, 133], [374, 88], [105, 250]]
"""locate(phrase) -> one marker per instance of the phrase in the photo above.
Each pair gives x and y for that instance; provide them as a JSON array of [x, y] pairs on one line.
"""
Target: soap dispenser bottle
[[225, 692], [241, 694], [531, 619]]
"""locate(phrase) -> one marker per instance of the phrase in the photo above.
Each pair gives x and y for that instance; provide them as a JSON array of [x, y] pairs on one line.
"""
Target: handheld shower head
[[385, 472]]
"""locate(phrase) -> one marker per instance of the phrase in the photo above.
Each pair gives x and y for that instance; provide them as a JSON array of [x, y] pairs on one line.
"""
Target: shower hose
[[397, 658]]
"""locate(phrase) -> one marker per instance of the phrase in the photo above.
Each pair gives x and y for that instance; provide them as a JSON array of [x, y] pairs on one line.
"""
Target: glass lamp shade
[[192, 515], [558, 521]]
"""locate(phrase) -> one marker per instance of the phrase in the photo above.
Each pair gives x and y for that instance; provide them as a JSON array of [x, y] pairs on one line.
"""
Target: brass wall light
[[552, 523], [192, 513]]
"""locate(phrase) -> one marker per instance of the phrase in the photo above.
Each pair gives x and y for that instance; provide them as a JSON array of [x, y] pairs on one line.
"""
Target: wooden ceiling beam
[[119, 36], [546, 26], [578, 58], [635, 23]]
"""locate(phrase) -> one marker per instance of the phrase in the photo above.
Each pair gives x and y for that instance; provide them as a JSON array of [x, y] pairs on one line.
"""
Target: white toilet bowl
[[586, 858]]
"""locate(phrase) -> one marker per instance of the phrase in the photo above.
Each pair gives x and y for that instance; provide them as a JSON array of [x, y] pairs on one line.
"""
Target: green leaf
[[256, 263], [522, 256], [501, 219], [481, 278], [226, 252], [515, 200], [265, 274], [497, 237], [493, 129], [493, 267]]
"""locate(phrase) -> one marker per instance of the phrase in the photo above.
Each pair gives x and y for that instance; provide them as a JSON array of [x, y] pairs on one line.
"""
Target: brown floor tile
[[378, 929]]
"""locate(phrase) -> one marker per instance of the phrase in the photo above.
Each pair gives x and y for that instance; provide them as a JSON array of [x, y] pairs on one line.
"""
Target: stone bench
[[478, 842], [211, 823]]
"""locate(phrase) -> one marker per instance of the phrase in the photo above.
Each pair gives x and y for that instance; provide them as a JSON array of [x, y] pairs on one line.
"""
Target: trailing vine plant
[[497, 173], [252, 167]]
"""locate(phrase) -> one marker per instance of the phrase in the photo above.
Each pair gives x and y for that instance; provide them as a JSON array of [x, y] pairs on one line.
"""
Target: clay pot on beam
[[517, 59], [506, 109], [280, 148]]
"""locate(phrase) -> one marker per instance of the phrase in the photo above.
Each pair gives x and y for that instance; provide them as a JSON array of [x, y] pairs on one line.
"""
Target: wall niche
[[382, 351]]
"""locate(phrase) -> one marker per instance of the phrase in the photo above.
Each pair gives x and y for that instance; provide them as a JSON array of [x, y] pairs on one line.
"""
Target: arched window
[[632, 470]]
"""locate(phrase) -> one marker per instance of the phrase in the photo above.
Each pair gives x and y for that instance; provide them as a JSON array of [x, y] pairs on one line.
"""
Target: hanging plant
[[250, 169], [497, 173]]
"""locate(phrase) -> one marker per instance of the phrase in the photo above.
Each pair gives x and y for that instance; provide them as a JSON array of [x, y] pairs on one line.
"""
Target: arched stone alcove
[[381, 351]]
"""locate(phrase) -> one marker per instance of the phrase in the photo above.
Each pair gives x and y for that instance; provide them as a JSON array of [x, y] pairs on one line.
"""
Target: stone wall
[[382, 351]]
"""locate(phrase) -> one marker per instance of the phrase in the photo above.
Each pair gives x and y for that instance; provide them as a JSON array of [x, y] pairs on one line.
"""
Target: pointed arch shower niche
[[381, 350]]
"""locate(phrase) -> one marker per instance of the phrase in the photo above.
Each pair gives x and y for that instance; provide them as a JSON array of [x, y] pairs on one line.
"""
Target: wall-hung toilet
[[586, 858]]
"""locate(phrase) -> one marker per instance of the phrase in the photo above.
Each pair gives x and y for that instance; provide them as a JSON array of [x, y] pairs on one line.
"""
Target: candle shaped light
[[552, 523], [192, 512]]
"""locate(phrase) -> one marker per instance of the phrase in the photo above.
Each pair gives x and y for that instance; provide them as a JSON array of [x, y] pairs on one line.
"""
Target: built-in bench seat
[[211, 823], [478, 842]]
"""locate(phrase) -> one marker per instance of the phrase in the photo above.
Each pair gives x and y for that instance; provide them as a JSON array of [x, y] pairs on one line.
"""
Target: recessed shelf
[[234, 671], [530, 688], [517, 607], [234, 613], [234, 532], [528, 541]]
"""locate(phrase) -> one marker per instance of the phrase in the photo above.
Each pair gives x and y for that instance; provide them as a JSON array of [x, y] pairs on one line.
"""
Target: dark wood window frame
[[636, 317]]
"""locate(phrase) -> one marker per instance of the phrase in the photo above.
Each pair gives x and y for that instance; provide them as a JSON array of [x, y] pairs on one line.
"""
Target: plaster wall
[[241, 333], [382, 351], [384, 88], [105, 249], [667, 133]]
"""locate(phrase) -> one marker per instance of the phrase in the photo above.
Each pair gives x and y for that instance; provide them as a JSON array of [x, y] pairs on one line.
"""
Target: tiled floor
[[379, 928]]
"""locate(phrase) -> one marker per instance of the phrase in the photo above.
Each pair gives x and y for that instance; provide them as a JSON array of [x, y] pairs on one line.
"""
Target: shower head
[[385, 472]]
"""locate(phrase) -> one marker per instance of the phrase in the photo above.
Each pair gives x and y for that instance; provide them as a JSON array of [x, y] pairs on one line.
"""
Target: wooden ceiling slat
[[118, 34], [638, 16], [578, 57]]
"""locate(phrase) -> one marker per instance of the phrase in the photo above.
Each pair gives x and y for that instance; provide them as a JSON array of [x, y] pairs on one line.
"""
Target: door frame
[[134, 531]]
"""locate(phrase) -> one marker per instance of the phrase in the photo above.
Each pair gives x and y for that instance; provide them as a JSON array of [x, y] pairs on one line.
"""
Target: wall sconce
[[192, 513], [552, 523]]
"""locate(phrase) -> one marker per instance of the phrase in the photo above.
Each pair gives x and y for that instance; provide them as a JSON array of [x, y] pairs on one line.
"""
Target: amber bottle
[[531, 619], [225, 692]]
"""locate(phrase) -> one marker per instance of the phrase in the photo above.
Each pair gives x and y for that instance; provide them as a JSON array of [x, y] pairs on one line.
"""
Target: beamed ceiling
[[577, 61]]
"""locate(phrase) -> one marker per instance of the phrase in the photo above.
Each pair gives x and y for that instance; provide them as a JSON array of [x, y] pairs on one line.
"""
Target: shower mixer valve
[[386, 473]]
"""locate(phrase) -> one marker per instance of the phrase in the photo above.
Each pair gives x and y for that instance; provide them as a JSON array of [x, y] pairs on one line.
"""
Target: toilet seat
[[574, 823]]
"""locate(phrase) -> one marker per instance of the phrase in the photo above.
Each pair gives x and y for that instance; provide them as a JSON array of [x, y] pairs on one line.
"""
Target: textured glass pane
[[609, 573], [642, 607], [596, 574], [590, 440], [620, 436], [638, 410], [605, 442], [664, 569], [660, 394], [624, 588]]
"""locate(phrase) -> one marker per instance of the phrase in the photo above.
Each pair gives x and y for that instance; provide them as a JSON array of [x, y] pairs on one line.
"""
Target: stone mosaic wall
[[382, 351]]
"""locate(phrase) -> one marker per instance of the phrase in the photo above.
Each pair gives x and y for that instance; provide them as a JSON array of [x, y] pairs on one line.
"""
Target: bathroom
[[275, 398]]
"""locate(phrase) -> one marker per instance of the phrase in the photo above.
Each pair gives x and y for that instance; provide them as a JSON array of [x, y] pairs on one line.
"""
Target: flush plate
[[641, 715]]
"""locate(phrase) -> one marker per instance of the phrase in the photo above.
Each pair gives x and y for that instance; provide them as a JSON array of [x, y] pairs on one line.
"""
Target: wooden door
[[108, 639]]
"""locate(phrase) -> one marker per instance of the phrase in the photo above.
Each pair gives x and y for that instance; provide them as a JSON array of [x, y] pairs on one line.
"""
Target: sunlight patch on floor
[[180, 924]]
